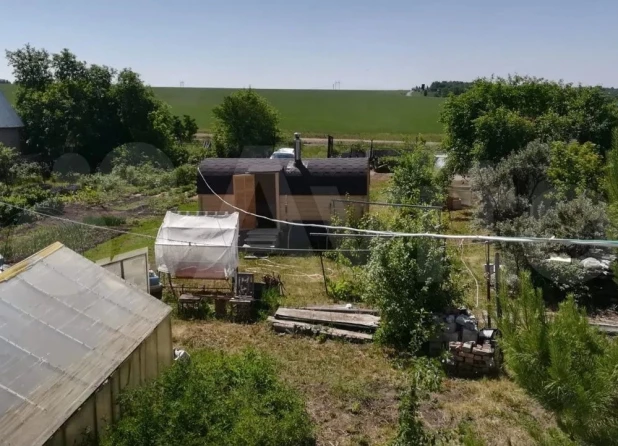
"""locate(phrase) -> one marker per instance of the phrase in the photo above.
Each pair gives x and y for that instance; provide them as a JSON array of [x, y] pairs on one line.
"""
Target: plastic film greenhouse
[[198, 246]]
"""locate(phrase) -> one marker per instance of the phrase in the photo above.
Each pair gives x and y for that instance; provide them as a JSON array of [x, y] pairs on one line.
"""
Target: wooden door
[[244, 198]]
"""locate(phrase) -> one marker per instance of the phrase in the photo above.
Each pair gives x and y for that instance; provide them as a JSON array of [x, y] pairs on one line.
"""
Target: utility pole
[[497, 278]]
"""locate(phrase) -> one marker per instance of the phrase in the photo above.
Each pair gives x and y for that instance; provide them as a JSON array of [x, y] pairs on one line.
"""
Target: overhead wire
[[152, 237]]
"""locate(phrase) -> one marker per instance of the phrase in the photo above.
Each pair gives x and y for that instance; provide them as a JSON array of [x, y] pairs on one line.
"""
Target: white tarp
[[198, 246]]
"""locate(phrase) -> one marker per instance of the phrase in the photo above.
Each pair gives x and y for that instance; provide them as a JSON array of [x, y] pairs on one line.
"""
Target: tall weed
[[215, 399]]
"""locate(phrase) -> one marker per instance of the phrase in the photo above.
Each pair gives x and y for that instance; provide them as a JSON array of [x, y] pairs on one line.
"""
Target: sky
[[363, 44]]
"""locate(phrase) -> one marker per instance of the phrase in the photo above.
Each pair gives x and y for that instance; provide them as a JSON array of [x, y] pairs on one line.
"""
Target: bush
[[185, 175], [564, 362], [50, 206], [344, 290], [415, 179], [215, 399], [409, 279]]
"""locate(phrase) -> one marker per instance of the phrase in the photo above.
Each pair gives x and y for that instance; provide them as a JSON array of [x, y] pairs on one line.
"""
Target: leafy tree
[[185, 128], [69, 106], [415, 178], [574, 168], [612, 183], [243, 119], [409, 279], [499, 133], [497, 116]]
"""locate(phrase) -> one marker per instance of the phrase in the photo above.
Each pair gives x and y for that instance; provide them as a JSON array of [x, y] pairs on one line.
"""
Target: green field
[[343, 113]]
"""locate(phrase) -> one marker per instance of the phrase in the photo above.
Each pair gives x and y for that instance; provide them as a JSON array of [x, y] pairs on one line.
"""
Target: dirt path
[[324, 141]]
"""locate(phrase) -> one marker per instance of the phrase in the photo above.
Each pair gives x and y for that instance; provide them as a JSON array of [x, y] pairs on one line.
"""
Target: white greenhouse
[[72, 337], [198, 246]]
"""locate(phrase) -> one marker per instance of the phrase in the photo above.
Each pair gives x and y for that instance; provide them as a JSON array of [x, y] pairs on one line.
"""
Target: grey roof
[[8, 116], [65, 325], [340, 176]]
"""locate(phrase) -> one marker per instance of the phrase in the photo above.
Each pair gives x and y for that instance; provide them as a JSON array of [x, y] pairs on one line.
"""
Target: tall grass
[[216, 399], [565, 363]]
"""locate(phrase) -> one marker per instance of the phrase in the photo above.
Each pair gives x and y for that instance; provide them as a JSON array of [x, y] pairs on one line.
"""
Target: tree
[[243, 119], [409, 279], [574, 169], [69, 106], [185, 128], [495, 117], [510, 188], [415, 179], [446, 88]]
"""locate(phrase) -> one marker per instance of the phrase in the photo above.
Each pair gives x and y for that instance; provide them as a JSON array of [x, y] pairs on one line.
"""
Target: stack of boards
[[352, 324]]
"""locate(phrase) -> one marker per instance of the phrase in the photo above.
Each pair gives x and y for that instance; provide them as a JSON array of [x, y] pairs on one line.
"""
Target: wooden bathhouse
[[294, 190]]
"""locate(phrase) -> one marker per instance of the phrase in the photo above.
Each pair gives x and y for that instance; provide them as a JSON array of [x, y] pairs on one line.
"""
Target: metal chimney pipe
[[297, 144]]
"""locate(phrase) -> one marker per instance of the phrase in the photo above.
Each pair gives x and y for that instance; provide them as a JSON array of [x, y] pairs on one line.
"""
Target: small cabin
[[307, 191]]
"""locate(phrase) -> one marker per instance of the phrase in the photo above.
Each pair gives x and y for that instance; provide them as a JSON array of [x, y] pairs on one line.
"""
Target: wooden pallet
[[360, 322]]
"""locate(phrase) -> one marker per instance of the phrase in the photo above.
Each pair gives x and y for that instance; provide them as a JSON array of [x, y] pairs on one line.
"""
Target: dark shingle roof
[[334, 176], [8, 117]]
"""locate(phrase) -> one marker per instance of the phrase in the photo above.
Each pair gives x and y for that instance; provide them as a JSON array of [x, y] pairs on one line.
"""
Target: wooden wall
[[149, 359], [293, 207]]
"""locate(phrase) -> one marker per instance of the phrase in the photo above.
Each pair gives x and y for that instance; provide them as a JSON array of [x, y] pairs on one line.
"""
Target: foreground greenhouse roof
[[65, 325]]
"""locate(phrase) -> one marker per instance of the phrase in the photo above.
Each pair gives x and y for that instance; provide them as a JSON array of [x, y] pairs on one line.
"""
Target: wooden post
[[497, 278], [324, 274]]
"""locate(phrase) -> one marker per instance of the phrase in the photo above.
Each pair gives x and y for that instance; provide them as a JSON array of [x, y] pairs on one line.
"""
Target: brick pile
[[470, 358]]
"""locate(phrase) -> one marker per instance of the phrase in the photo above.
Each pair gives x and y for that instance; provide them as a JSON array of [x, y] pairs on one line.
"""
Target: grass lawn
[[352, 391], [343, 113]]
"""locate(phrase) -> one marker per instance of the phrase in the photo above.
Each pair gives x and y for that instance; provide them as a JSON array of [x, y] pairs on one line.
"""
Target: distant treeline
[[444, 88], [4, 81]]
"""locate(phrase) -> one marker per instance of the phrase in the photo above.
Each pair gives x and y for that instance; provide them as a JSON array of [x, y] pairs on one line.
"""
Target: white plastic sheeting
[[198, 246]]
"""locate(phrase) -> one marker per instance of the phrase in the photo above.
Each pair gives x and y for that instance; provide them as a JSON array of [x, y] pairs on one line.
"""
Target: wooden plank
[[358, 321], [303, 327], [244, 198], [342, 309]]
